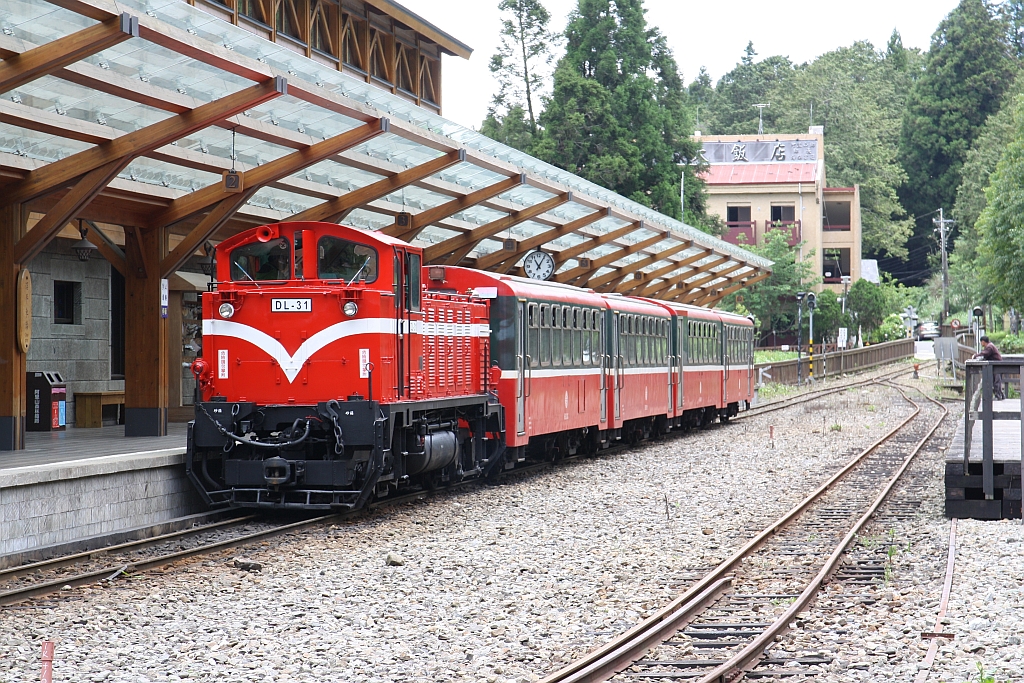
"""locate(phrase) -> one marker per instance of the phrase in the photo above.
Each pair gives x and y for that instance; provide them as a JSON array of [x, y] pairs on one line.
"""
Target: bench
[[89, 406]]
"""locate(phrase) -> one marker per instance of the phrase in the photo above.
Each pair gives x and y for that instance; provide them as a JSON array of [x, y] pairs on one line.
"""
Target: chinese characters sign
[[761, 151]]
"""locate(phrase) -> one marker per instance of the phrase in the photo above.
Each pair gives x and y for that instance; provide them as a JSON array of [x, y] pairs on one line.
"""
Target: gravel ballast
[[495, 583]]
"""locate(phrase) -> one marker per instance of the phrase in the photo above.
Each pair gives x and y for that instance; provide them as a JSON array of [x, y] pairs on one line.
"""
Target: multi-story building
[[759, 183]]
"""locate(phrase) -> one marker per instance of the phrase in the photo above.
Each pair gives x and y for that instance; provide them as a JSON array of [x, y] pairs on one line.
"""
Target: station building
[[759, 183], [136, 134]]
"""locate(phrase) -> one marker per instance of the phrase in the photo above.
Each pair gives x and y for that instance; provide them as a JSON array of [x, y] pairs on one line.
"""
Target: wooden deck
[[964, 488], [42, 448]]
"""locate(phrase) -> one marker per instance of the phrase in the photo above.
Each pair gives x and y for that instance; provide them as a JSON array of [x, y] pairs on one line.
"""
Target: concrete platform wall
[[61, 503]]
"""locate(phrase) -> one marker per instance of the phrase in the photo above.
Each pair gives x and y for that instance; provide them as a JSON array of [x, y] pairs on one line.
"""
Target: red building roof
[[758, 174]]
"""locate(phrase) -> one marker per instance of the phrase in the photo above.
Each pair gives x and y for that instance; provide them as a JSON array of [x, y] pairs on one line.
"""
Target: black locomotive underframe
[[387, 447]]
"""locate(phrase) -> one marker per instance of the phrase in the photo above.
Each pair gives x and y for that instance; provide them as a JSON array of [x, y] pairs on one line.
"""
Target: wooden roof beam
[[333, 210], [712, 276], [635, 266], [18, 70], [650, 276], [458, 247], [714, 296], [212, 222], [596, 264], [697, 291], [269, 172], [110, 251], [501, 262], [137, 143], [655, 287], [90, 185], [424, 218]]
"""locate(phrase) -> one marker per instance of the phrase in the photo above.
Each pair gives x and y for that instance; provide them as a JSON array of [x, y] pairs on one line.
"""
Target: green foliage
[[1001, 223], [519, 65], [867, 304], [892, 328], [828, 317], [772, 301], [773, 356], [732, 111], [855, 96], [617, 114], [967, 70], [512, 129], [1011, 343]]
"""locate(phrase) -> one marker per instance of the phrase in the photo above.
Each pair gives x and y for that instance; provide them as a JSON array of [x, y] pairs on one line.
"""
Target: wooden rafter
[[106, 247], [690, 292], [425, 218], [91, 184], [652, 275], [333, 209], [270, 172], [56, 174], [637, 266], [655, 287], [713, 297], [581, 273], [45, 59], [711, 277], [501, 259], [707, 275], [458, 247], [220, 215]]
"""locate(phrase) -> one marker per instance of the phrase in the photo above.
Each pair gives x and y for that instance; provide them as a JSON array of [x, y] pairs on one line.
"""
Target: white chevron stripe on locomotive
[[291, 364]]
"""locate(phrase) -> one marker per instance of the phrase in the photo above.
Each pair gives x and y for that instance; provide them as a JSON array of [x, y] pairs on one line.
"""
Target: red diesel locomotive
[[336, 368]]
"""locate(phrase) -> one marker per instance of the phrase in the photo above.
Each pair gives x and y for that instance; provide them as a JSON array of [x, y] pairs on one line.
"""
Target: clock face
[[539, 265]]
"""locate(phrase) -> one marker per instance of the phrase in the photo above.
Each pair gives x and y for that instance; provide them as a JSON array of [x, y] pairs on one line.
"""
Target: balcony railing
[[737, 228], [795, 233]]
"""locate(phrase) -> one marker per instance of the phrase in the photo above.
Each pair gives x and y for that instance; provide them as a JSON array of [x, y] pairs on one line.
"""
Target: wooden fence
[[836, 362]]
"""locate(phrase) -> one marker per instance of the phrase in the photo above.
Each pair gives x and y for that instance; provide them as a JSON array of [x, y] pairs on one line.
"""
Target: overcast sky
[[711, 34]]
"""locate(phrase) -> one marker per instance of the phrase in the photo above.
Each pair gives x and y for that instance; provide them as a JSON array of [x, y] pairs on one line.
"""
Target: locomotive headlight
[[350, 308], [226, 310]]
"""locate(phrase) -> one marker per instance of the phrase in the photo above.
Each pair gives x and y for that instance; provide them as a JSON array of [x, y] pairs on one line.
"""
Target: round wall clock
[[539, 265]]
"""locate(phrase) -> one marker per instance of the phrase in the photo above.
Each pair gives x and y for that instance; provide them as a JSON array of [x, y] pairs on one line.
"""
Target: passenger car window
[[262, 261], [341, 259]]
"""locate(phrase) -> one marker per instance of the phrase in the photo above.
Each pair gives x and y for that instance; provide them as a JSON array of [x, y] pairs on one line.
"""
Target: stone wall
[[67, 502], [80, 351]]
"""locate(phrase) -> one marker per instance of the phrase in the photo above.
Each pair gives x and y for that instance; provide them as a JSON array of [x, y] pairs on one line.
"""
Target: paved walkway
[[43, 448]]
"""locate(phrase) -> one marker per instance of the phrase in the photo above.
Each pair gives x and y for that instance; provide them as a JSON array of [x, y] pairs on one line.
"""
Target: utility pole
[[942, 222], [760, 119]]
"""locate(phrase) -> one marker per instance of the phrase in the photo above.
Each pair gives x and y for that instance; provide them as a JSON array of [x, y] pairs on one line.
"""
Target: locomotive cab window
[[270, 260], [412, 282], [341, 259]]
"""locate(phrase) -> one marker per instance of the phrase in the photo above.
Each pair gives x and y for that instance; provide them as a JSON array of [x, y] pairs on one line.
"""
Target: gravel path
[[500, 583]]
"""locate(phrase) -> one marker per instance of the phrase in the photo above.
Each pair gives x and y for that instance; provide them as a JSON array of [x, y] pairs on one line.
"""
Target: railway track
[[719, 629], [27, 581]]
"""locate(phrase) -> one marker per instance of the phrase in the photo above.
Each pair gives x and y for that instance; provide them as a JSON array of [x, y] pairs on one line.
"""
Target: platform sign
[[841, 338], [955, 323], [165, 298]]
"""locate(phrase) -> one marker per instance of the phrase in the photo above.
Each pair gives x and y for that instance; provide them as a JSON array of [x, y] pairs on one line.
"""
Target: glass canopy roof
[[138, 83]]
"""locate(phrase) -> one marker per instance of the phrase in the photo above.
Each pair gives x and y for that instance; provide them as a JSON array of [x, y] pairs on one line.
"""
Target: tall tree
[[1001, 223], [617, 115], [854, 98], [968, 68], [737, 92], [1012, 12], [520, 66]]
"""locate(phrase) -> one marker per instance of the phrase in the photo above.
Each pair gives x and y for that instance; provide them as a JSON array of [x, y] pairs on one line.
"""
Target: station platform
[[964, 489], [43, 448], [68, 487]]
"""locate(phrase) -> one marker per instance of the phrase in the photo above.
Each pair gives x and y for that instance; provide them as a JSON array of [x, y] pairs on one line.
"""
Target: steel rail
[[736, 666], [138, 544], [947, 587], [587, 668]]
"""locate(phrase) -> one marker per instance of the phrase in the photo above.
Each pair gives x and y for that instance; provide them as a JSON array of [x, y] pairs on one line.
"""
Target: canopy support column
[[12, 359], [146, 350]]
